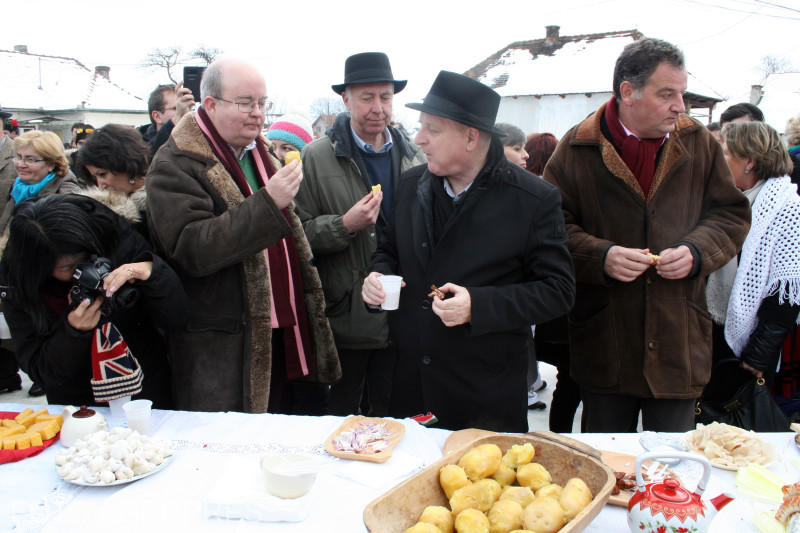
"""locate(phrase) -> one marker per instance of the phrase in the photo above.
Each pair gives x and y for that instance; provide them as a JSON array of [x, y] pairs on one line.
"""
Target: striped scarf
[[287, 294]]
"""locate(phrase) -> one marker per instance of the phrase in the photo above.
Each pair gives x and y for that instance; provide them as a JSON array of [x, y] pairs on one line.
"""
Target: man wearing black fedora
[[342, 218], [491, 236]]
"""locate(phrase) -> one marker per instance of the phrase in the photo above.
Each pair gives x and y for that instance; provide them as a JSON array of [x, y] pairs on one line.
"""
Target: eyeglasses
[[263, 104], [28, 160], [86, 131]]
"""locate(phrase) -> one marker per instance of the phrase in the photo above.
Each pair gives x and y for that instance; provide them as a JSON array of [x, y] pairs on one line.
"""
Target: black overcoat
[[506, 244]]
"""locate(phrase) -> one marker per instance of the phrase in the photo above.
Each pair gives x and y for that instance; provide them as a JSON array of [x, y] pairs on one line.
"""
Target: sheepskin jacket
[[215, 239], [650, 337]]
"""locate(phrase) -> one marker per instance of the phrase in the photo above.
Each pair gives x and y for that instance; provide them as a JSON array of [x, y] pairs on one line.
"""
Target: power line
[[727, 8]]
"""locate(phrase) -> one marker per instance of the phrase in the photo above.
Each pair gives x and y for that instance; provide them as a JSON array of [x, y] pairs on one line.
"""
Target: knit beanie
[[293, 129]]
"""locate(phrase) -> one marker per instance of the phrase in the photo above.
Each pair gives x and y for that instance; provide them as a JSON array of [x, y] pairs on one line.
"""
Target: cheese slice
[[23, 441], [23, 414], [47, 417], [11, 431], [47, 429], [27, 420], [35, 438]]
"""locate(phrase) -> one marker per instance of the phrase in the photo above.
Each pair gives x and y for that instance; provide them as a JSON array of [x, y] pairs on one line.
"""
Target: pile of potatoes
[[484, 499]]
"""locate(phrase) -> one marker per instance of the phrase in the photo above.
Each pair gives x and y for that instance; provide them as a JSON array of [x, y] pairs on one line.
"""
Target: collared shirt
[[451, 193], [244, 150], [629, 132], [369, 148]]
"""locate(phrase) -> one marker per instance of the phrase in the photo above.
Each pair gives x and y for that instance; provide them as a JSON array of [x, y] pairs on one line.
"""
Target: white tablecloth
[[209, 446]]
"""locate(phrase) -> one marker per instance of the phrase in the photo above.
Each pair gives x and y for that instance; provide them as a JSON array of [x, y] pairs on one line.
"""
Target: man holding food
[[651, 210], [220, 211], [491, 236], [351, 174]]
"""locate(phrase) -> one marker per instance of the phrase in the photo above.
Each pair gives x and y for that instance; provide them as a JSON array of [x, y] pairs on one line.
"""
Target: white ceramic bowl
[[289, 475]]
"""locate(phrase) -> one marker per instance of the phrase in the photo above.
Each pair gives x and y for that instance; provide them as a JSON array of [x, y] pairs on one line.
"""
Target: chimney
[[756, 93], [551, 33], [102, 72], [22, 48]]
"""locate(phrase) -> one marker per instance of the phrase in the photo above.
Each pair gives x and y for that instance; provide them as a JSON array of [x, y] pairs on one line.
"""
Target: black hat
[[462, 99], [369, 67]]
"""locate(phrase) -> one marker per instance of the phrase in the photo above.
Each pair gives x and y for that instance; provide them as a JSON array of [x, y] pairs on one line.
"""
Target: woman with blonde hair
[[42, 169], [765, 296]]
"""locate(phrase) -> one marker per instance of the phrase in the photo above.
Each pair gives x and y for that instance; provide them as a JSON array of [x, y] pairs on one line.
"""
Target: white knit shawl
[[770, 262]]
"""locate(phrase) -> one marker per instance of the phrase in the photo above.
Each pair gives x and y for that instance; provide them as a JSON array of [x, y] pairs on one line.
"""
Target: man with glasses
[[221, 212], [166, 106], [343, 219]]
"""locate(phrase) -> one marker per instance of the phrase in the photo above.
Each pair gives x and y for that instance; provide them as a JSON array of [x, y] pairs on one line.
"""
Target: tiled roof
[[53, 83], [574, 64]]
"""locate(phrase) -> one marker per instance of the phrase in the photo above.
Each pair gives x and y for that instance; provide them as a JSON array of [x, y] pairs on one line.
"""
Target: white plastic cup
[[117, 405], [137, 413], [391, 287], [5, 333]]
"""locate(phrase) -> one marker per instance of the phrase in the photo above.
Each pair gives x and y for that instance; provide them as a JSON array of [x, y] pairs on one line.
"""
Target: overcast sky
[[301, 46]]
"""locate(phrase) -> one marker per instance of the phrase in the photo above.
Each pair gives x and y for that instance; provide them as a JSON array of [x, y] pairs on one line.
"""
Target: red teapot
[[666, 506]]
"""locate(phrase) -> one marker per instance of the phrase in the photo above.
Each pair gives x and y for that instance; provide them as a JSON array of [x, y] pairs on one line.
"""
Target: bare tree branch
[[326, 105], [205, 53], [166, 58]]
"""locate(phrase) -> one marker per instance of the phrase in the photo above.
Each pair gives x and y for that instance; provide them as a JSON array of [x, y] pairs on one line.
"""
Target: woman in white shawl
[[765, 298]]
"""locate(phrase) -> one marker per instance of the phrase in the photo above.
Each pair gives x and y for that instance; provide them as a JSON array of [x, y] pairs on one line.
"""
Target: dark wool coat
[[334, 179], [507, 245], [650, 337], [215, 239], [60, 360]]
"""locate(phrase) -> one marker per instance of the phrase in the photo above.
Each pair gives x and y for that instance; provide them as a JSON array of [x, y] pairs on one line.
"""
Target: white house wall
[[549, 113]]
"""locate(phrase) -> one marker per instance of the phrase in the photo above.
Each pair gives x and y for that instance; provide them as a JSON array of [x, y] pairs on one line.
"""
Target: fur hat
[[293, 129]]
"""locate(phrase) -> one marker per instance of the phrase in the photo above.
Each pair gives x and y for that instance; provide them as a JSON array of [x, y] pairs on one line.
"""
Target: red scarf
[[288, 297], [638, 154]]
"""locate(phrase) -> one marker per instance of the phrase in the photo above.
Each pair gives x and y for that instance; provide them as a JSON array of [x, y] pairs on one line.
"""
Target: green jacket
[[334, 179]]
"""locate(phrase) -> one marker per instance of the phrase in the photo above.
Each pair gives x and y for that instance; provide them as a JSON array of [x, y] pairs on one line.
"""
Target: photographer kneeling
[[88, 303]]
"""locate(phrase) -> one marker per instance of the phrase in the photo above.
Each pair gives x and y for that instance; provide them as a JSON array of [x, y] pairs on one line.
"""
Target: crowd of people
[[191, 262]]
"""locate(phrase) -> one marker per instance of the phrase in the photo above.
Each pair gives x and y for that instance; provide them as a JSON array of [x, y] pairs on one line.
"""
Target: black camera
[[89, 278]]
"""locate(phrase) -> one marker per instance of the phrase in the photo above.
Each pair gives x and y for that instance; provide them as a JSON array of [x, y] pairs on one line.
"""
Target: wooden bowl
[[399, 508]]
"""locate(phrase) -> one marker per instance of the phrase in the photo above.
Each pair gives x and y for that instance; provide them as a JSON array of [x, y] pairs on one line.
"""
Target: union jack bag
[[115, 371]]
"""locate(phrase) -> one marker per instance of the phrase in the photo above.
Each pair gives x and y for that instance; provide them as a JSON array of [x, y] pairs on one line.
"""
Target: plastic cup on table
[[137, 413], [391, 286], [116, 406]]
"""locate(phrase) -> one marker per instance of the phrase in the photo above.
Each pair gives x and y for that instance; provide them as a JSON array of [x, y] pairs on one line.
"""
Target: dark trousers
[[9, 371], [366, 384], [293, 397], [566, 398], [619, 413]]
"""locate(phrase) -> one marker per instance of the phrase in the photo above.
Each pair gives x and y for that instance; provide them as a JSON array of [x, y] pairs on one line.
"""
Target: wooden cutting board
[[396, 430], [621, 462]]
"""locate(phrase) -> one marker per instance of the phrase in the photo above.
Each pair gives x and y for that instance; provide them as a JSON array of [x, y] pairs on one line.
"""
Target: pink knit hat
[[293, 129]]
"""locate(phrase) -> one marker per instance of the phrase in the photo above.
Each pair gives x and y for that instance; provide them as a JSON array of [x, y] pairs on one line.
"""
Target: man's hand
[[283, 185], [184, 101], [372, 290], [675, 263], [626, 264], [456, 310], [364, 213], [86, 316]]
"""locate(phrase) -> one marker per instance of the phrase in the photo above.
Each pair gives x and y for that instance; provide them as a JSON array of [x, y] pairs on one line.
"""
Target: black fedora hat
[[462, 99], [368, 67]]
